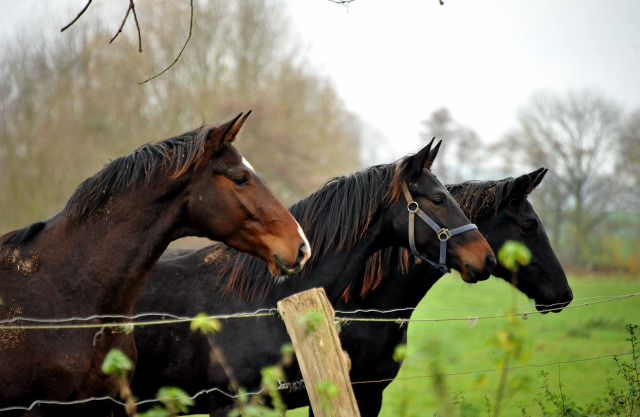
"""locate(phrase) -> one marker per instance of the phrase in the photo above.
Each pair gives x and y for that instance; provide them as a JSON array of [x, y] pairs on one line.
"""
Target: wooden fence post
[[309, 318]]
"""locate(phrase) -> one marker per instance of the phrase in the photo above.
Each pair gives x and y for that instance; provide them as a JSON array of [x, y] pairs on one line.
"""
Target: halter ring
[[444, 235]]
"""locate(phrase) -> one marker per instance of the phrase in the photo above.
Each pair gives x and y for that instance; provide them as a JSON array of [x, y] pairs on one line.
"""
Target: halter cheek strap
[[443, 234]]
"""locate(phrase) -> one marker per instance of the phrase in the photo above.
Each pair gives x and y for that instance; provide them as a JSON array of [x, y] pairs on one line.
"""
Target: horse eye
[[437, 201], [241, 181], [529, 226]]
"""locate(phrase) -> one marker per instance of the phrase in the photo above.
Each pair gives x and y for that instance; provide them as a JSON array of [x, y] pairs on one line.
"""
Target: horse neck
[[116, 249], [397, 290], [336, 270]]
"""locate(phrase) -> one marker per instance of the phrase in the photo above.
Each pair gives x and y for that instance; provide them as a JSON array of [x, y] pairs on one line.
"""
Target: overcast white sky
[[396, 61]]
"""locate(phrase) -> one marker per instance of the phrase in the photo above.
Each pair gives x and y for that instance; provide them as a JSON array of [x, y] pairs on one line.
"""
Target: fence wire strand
[[341, 316], [138, 403], [166, 318], [254, 393]]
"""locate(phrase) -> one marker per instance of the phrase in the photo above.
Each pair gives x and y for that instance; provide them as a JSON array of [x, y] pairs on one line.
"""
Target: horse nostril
[[490, 262], [303, 253], [568, 296]]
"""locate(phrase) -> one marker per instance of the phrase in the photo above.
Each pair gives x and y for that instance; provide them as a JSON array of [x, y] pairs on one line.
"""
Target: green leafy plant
[[116, 362], [619, 401], [627, 400], [310, 320], [562, 404], [272, 377], [205, 323], [400, 353], [174, 401], [327, 391], [511, 340], [513, 254]]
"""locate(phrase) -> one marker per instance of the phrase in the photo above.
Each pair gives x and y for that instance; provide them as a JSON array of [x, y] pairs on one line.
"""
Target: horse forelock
[[174, 156], [480, 198], [395, 192]]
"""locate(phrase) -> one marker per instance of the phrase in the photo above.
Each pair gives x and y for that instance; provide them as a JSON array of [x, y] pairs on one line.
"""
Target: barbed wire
[[259, 392], [38, 403], [475, 319], [511, 368], [168, 318]]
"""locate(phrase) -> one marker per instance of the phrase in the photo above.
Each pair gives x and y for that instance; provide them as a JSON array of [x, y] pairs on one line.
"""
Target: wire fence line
[[341, 316], [284, 385], [38, 403], [510, 368]]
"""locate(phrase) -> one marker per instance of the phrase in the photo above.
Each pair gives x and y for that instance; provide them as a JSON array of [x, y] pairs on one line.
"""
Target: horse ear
[[420, 160], [226, 132], [432, 154], [526, 183], [234, 128], [536, 178]]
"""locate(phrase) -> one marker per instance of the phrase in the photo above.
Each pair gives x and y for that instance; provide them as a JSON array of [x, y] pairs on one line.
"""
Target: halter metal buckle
[[413, 207], [444, 235]]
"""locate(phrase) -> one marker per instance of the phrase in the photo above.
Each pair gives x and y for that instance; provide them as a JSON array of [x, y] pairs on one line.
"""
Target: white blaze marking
[[304, 237], [244, 161]]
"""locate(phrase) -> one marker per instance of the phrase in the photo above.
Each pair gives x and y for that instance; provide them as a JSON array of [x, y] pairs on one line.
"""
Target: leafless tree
[[628, 168], [131, 13], [575, 136], [69, 105], [461, 154]]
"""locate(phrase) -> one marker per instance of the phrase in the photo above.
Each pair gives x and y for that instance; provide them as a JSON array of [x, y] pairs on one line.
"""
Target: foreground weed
[[116, 362], [511, 340], [619, 401]]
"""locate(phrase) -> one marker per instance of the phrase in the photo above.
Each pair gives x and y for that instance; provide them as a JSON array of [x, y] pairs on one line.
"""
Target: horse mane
[[479, 198], [21, 236], [335, 218], [475, 198], [174, 155]]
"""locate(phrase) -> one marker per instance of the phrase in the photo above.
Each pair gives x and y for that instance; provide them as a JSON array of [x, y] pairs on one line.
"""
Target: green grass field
[[465, 355]]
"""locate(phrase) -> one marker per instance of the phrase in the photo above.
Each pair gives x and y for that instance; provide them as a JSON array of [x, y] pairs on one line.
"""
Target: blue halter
[[443, 234]]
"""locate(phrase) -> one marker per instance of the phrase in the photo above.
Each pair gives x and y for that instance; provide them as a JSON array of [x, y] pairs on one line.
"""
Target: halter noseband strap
[[443, 234]]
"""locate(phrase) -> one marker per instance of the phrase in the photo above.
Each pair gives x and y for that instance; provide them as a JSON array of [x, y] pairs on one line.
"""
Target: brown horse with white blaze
[[91, 260]]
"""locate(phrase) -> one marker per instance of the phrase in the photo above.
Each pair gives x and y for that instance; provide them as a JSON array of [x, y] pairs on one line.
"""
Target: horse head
[[543, 279], [446, 234], [244, 213]]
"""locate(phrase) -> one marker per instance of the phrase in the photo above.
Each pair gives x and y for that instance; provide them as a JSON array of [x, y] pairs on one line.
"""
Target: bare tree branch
[[86, 6], [121, 25], [179, 54], [131, 8], [135, 18]]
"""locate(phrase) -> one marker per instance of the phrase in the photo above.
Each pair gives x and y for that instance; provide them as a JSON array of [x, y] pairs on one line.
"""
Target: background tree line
[[590, 199], [70, 103]]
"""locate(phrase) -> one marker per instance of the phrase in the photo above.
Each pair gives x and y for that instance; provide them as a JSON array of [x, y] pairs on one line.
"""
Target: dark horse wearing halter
[[393, 281], [347, 221], [91, 260]]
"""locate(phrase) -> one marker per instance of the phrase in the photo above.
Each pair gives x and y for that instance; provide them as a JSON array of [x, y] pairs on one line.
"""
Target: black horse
[[392, 280], [348, 220]]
